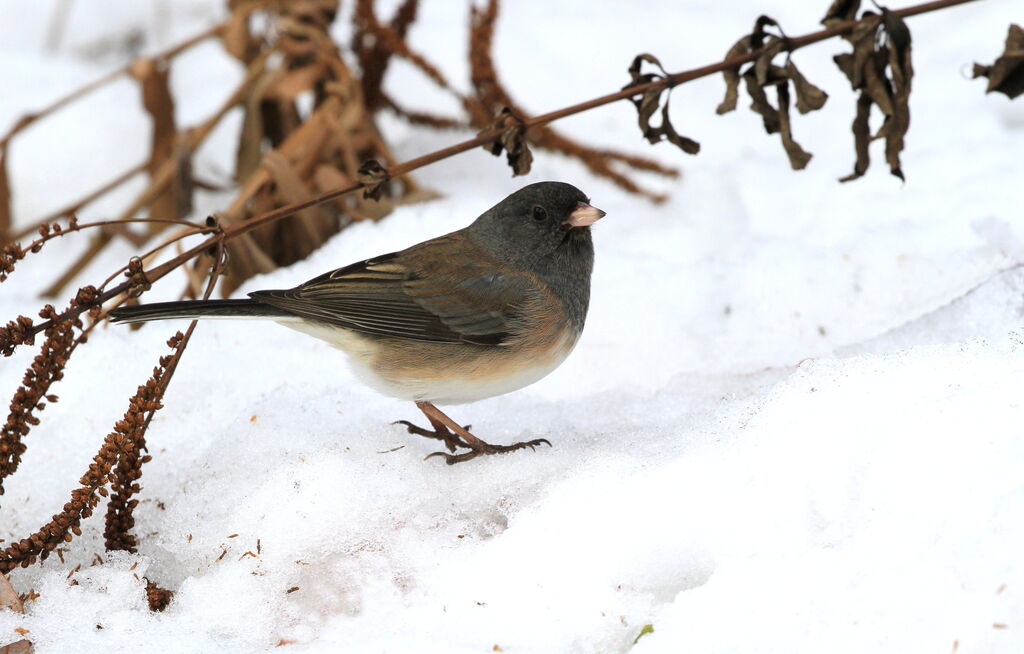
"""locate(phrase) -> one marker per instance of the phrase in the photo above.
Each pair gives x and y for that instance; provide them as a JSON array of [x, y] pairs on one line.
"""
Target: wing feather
[[396, 295]]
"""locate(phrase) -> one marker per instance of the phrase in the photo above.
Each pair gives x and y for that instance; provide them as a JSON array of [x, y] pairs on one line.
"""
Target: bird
[[479, 312]]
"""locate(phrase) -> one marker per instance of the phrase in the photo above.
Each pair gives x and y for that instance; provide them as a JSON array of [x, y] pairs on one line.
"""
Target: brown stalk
[[491, 98], [234, 231], [77, 206], [66, 524], [86, 89], [161, 179], [34, 392], [132, 429]]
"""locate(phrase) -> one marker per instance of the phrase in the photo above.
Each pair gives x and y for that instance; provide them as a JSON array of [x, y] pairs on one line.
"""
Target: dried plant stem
[[124, 477], [86, 89], [65, 524], [161, 179], [239, 229], [75, 207]]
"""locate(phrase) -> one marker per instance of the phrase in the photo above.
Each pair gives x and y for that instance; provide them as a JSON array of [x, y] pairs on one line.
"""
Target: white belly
[[443, 386]]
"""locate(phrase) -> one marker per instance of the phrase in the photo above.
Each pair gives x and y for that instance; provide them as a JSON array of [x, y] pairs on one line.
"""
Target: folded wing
[[401, 295]]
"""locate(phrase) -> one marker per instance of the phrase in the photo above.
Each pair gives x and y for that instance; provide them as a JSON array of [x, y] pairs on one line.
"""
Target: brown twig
[[124, 477], [75, 207], [84, 90]]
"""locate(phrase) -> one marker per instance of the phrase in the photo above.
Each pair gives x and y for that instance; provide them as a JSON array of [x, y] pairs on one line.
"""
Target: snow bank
[[792, 423]]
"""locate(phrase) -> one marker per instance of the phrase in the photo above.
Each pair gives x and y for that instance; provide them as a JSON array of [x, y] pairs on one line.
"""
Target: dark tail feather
[[198, 309]]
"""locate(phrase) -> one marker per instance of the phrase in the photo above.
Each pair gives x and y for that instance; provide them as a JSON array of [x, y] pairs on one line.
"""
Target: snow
[[792, 423]]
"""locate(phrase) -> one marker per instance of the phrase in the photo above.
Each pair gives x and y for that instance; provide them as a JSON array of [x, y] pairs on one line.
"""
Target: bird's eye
[[538, 213]]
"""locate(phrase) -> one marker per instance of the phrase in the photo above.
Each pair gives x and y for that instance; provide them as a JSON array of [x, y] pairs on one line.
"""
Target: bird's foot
[[480, 447], [455, 436], [440, 432]]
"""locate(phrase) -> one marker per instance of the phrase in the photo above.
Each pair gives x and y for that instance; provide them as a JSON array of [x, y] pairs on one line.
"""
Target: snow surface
[[793, 423]]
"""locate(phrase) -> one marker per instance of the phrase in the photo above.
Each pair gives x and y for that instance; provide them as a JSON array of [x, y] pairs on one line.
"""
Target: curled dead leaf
[[808, 96], [840, 11], [798, 157], [763, 73], [881, 68], [648, 103], [512, 140]]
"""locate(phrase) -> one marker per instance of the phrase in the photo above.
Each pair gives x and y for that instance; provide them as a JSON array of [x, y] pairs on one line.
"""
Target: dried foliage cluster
[[880, 69], [761, 75], [118, 462], [307, 165]]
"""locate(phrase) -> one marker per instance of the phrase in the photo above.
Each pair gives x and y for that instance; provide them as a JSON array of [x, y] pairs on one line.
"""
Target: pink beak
[[584, 215]]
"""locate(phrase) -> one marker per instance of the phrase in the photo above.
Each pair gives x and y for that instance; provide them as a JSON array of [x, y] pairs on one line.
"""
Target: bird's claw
[[451, 441], [487, 448]]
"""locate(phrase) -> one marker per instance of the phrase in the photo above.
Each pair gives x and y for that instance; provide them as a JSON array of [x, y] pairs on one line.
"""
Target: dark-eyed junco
[[483, 311]]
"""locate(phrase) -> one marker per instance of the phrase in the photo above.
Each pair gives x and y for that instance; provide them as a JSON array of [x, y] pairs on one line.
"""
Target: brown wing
[[408, 295]]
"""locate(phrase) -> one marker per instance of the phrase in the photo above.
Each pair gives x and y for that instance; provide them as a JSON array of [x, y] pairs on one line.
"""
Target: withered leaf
[[748, 43], [512, 140], [648, 103], [686, 144], [840, 11], [757, 36], [798, 157], [154, 80], [5, 197], [9, 599], [902, 73], [808, 96], [8, 596], [760, 104], [762, 74], [289, 187], [237, 38], [861, 137], [732, 77], [1006, 74], [372, 176], [763, 69], [882, 71], [896, 29]]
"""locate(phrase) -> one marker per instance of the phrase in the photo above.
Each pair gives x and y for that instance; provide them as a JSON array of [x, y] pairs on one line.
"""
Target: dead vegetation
[[306, 165]]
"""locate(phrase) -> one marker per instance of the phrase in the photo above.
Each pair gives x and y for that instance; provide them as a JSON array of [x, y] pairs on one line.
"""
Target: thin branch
[[77, 206], [81, 91]]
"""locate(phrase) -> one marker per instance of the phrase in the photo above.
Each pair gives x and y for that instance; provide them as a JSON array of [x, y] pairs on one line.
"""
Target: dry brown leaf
[[808, 96], [861, 137], [759, 103], [798, 157], [17, 647], [882, 70], [9, 599], [902, 73], [237, 38], [154, 78], [840, 11], [1006, 74], [648, 103], [250, 141], [748, 43], [764, 73], [512, 140], [289, 188], [732, 77]]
